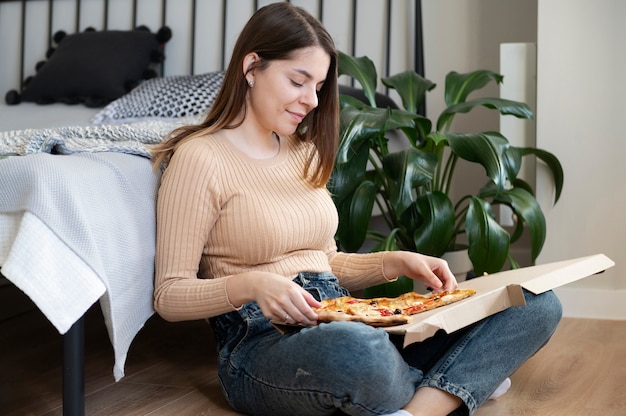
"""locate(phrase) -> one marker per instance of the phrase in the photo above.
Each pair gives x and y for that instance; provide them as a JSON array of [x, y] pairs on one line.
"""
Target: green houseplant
[[410, 187]]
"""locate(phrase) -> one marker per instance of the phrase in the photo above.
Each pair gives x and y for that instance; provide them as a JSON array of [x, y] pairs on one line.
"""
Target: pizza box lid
[[497, 292]]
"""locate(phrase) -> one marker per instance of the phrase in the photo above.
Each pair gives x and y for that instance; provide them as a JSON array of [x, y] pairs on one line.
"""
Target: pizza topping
[[384, 312]]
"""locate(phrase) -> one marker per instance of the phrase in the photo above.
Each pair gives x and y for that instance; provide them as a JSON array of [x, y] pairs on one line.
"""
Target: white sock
[[398, 413], [502, 388]]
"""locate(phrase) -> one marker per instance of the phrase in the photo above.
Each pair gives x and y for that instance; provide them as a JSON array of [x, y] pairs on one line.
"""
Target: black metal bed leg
[[74, 370]]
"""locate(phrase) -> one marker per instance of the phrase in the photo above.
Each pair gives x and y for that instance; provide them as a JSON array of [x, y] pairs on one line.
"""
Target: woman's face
[[286, 90]]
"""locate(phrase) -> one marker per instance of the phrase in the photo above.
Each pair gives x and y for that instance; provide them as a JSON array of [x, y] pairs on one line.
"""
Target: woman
[[245, 231]]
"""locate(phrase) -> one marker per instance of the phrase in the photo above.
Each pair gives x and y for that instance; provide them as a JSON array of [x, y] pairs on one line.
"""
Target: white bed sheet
[[60, 279], [40, 274], [70, 239]]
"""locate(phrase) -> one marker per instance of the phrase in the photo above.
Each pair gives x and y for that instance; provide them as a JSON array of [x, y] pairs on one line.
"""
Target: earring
[[251, 83]]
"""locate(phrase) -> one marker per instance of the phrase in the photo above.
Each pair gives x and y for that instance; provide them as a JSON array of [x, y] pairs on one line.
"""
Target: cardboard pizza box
[[497, 292]]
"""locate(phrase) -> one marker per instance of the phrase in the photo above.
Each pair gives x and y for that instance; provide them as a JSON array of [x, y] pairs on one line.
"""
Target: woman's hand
[[279, 298], [432, 271]]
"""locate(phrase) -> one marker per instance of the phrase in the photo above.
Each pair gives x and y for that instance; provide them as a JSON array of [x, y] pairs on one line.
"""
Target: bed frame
[[204, 32]]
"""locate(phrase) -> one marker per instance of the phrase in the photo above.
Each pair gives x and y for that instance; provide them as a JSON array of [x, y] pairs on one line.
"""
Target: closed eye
[[297, 84]]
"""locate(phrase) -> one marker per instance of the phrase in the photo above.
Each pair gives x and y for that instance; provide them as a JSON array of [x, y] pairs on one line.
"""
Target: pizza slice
[[383, 311]]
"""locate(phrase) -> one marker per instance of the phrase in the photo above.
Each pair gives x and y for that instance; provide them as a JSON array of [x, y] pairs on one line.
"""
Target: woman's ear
[[250, 62]]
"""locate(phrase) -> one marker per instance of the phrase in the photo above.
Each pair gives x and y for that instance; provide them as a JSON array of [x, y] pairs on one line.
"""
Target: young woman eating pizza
[[245, 231]]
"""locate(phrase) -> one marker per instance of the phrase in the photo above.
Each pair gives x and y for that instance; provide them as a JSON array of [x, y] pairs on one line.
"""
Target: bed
[[77, 190]]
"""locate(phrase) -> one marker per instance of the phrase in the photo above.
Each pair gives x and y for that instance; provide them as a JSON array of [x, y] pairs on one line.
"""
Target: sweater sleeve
[[357, 271], [187, 206]]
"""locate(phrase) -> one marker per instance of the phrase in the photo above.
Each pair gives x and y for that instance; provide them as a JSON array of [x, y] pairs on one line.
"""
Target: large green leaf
[[513, 161], [553, 163], [348, 100], [411, 87], [361, 69], [488, 241], [486, 149], [413, 125], [347, 176], [434, 142], [363, 124], [355, 215], [518, 231], [522, 184], [504, 107], [431, 219], [528, 211], [357, 126], [459, 86], [407, 169]]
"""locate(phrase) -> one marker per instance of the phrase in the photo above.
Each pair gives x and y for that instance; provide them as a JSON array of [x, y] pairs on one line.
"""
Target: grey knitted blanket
[[132, 138]]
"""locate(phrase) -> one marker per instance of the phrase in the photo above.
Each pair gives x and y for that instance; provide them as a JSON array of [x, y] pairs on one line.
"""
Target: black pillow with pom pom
[[12, 97], [94, 68]]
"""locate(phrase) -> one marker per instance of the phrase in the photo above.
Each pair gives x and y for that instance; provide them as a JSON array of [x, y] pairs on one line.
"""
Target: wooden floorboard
[[582, 371], [171, 371]]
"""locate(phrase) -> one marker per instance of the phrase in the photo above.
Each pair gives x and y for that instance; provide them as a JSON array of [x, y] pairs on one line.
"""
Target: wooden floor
[[170, 371]]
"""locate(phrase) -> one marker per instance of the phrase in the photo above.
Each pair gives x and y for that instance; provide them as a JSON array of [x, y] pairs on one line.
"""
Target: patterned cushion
[[165, 98]]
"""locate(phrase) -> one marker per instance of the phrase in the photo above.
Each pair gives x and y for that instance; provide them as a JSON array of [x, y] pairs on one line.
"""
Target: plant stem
[[438, 151], [449, 169]]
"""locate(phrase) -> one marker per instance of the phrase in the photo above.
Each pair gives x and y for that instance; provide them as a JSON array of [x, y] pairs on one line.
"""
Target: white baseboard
[[592, 303]]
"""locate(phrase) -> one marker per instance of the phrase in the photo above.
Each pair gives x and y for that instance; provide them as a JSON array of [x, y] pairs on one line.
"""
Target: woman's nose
[[310, 98]]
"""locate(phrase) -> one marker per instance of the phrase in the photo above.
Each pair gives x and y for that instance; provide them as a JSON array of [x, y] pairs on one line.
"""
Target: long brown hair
[[274, 32]]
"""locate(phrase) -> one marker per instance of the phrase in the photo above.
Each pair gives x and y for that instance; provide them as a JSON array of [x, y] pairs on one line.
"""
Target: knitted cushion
[[165, 98]]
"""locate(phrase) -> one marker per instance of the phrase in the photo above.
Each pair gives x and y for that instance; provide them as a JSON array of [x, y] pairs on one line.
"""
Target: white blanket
[[82, 228]]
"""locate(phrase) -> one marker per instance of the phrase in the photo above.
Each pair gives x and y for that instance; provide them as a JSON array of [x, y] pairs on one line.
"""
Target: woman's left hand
[[432, 271]]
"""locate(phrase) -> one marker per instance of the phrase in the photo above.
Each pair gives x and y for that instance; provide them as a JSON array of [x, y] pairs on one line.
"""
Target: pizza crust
[[377, 321]]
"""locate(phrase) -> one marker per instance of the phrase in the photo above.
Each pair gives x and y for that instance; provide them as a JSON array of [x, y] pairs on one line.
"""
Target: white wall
[[581, 89], [466, 35]]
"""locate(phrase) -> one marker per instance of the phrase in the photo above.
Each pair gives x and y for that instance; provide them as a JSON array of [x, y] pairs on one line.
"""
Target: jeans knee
[[371, 356], [547, 310], [363, 345]]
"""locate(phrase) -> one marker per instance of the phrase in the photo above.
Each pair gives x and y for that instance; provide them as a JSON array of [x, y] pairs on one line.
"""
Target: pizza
[[381, 312]]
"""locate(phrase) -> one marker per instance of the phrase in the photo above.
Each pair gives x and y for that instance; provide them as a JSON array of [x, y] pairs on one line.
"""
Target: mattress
[[33, 116]]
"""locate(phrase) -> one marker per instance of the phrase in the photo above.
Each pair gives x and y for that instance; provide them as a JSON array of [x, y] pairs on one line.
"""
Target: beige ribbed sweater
[[221, 213]]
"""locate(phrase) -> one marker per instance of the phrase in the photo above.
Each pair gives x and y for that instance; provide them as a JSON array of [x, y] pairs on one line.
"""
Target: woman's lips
[[296, 116]]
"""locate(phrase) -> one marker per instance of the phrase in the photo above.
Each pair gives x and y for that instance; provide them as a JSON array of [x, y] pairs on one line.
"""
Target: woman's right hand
[[279, 298]]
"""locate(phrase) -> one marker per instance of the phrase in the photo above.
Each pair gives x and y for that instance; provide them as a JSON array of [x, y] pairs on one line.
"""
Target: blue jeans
[[359, 370]]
